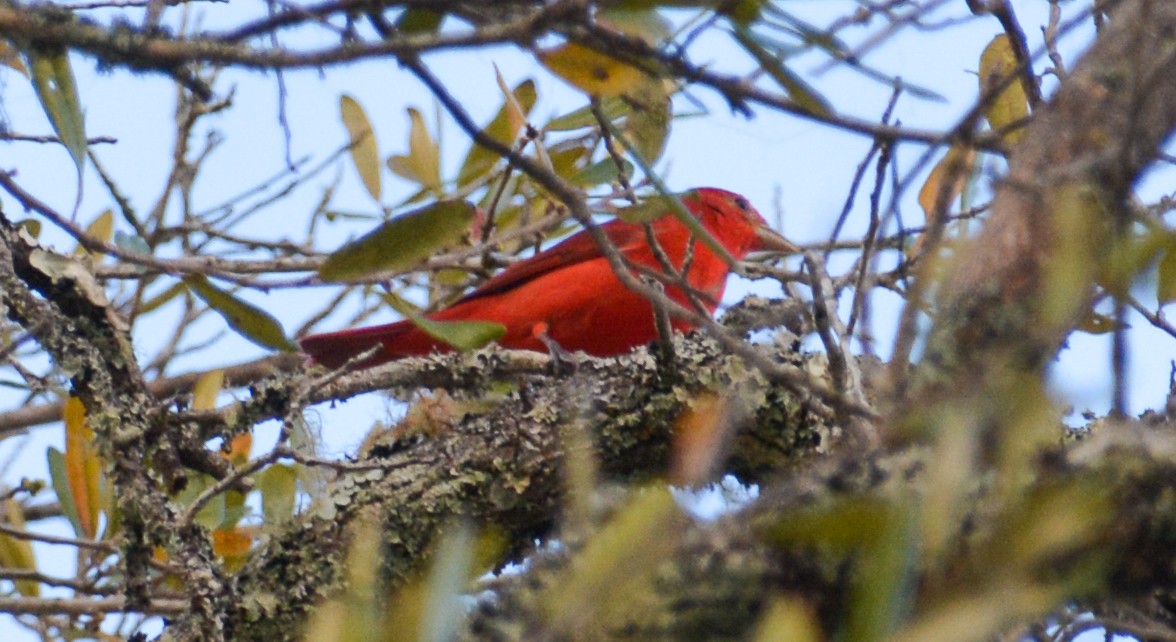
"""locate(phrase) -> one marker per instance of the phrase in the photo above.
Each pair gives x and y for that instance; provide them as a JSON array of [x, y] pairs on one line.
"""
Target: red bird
[[569, 294]]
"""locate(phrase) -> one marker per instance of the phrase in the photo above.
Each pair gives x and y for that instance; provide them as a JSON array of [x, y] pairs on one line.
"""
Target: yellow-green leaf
[[54, 81], [955, 166], [419, 21], [613, 108], [504, 128], [83, 469], [798, 90], [248, 320], [590, 71], [102, 229], [646, 23], [364, 151], [649, 209], [463, 335], [207, 387], [279, 488], [401, 243], [59, 476], [16, 553], [163, 298], [648, 126], [1166, 291], [1008, 105], [422, 165]]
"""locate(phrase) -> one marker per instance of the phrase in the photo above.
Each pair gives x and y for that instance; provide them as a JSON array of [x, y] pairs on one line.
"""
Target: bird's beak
[[769, 240]]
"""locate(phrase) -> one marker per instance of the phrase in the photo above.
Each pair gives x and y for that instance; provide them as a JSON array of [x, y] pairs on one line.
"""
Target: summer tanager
[[568, 294]]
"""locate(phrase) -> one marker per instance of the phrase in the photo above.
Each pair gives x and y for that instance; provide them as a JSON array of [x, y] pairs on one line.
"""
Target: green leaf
[[645, 23], [504, 128], [422, 165], [401, 243], [1166, 291], [59, 477], [58, 92], [648, 126], [463, 335], [649, 209], [163, 298], [250, 321], [364, 151], [414, 21], [279, 487], [612, 108], [798, 90], [601, 172]]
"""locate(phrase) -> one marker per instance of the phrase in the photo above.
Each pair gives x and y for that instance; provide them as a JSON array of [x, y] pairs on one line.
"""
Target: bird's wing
[[575, 249]]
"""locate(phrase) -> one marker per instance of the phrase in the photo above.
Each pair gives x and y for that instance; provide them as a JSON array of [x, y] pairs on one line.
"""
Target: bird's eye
[[742, 203]]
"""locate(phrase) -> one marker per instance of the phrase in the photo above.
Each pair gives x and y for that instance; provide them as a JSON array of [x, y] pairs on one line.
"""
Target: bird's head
[[732, 220]]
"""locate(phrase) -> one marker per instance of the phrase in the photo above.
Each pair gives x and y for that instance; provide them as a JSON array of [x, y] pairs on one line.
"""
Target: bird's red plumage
[[570, 293]]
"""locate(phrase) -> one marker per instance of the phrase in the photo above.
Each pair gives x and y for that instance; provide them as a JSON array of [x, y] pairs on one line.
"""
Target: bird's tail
[[394, 340]]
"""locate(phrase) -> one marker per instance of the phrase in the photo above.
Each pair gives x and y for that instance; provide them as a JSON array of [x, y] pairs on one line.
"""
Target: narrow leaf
[[248, 320], [998, 68], [401, 243], [590, 71], [648, 126], [422, 165], [1166, 290], [956, 167], [364, 151], [56, 89], [82, 466], [504, 128], [279, 487], [798, 90], [16, 553], [463, 335], [59, 476], [101, 229]]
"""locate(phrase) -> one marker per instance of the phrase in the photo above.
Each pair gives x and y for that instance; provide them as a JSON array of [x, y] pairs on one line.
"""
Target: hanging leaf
[[10, 57], [646, 23], [101, 229], [600, 173], [463, 335], [590, 71], [649, 209], [365, 152], [248, 320], [419, 21], [401, 243], [648, 126], [82, 466], [613, 108], [279, 488], [58, 92], [232, 545], [59, 476], [161, 299], [422, 165], [798, 90], [955, 166], [504, 128], [1166, 290], [1009, 105], [16, 553]]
